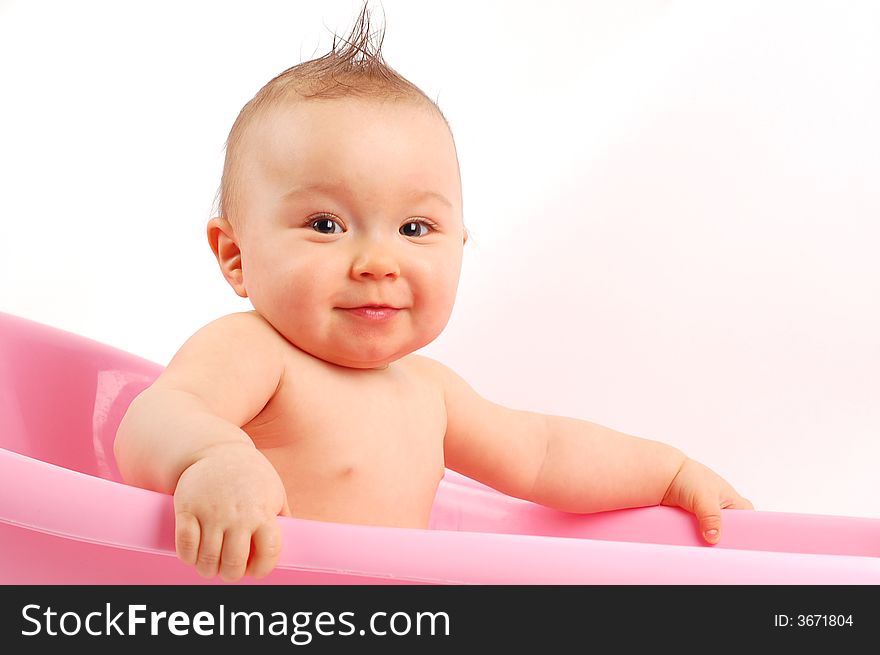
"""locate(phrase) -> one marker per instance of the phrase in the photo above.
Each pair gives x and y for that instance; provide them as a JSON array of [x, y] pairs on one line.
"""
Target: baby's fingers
[[234, 555], [708, 512], [210, 546], [187, 536], [738, 503], [266, 550]]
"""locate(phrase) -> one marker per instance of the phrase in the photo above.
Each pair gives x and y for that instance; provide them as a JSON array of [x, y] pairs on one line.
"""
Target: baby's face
[[344, 204]]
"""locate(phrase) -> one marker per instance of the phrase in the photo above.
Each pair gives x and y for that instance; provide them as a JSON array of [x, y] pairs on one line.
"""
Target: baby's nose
[[375, 262]]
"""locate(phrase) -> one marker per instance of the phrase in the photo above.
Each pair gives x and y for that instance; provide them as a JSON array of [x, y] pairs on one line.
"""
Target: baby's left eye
[[415, 229], [326, 225]]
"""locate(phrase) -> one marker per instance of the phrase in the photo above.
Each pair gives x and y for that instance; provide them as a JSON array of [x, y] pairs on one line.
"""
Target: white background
[[673, 205]]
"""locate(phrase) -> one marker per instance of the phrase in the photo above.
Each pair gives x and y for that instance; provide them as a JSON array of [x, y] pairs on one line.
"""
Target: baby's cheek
[[438, 309]]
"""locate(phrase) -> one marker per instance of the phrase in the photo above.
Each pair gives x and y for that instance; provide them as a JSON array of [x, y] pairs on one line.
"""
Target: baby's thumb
[[708, 514]]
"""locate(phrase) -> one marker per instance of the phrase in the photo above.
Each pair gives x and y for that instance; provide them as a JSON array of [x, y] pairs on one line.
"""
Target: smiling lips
[[372, 312]]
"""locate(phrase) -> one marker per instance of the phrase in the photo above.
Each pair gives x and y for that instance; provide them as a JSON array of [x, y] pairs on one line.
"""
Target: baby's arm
[[571, 464], [588, 467], [182, 436]]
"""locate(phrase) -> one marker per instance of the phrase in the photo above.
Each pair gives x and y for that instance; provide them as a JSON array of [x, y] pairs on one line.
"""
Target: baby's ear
[[222, 239]]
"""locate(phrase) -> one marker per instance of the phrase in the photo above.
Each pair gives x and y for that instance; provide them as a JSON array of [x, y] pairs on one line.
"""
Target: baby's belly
[[371, 491]]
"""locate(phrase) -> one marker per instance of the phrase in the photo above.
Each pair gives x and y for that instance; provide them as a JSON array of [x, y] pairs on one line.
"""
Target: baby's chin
[[361, 364], [348, 352], [350, 358]]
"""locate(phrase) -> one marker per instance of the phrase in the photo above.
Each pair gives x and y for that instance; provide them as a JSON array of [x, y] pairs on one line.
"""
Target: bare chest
[[355, 446]]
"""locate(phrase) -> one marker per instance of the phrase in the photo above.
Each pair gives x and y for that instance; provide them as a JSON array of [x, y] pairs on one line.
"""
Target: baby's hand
[[230, 497], [703, 492]]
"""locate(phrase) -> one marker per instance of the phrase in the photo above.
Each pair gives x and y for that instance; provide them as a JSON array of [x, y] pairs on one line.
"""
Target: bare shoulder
[[461, 399], [234, 364], [238, 337], [429, 370], [241, 324]]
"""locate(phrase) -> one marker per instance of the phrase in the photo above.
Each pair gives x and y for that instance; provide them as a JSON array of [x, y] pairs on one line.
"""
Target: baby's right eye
[[326, 226]]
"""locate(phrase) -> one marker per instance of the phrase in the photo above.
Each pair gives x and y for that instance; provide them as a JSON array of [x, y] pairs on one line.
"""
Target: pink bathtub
[[65, 516]]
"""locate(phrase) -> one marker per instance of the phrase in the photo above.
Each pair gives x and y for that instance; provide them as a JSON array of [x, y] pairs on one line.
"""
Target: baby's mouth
[[372, 312]]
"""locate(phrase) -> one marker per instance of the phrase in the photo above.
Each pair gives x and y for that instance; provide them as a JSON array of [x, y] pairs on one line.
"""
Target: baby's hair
[[354, 69]]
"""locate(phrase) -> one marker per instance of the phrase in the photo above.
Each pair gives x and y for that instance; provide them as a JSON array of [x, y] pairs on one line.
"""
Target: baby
[[341, 220]]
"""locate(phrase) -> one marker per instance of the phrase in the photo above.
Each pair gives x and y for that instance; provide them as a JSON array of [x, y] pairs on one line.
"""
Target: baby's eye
[[415, 229], [326, 226]]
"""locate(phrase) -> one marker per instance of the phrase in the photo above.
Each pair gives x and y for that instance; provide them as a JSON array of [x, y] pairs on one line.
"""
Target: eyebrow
[[331, 187]]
